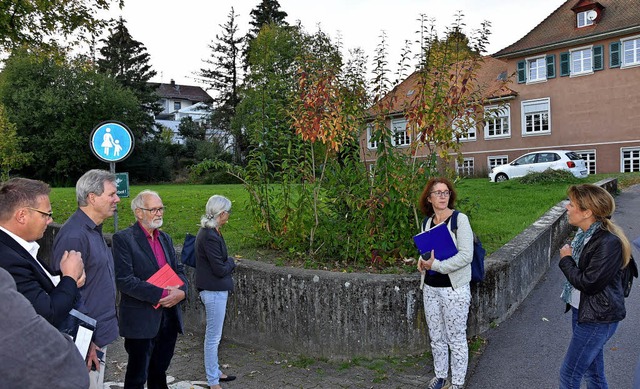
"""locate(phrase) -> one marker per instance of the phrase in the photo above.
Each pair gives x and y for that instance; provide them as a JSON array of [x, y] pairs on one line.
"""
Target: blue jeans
[[215, 305], [585, 356]]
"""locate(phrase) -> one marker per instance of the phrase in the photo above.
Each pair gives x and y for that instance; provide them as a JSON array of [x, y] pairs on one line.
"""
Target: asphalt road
[[526, 351]]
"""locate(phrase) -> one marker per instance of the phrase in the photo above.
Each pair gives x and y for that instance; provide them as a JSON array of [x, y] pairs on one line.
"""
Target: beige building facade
[[575, 85]]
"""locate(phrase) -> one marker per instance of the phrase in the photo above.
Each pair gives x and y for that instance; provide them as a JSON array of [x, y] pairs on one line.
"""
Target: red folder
[[165, 277]]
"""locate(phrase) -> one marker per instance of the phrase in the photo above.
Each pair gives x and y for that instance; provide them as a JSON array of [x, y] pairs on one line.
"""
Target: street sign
[[122, 183], [111, 141]]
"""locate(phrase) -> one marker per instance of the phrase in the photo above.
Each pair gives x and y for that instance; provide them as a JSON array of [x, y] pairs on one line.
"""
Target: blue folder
[[437, 239]]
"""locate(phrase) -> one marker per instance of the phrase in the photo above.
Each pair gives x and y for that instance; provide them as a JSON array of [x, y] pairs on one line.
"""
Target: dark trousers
[[149, 359]]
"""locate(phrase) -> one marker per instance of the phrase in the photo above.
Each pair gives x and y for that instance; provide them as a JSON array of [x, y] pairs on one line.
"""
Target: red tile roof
[[490, 76], [559, 29]]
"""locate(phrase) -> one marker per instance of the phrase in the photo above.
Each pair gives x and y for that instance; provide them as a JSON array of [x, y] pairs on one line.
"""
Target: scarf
[[577, 244]]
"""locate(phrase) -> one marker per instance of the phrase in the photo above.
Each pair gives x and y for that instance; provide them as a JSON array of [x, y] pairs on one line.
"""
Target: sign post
[[112, 142]]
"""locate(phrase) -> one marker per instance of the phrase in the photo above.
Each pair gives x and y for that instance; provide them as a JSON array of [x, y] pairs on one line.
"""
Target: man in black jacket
[[25, 212], [150, 315]]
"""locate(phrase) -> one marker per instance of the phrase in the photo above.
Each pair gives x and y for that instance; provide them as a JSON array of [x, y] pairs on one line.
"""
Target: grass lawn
[[498, 211]]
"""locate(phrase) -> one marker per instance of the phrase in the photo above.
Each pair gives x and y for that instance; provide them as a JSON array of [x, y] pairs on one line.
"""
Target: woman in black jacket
[[214, 268], [593, 291]]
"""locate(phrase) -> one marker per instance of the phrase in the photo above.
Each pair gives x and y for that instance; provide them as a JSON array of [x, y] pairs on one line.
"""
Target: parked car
[[540, 161]]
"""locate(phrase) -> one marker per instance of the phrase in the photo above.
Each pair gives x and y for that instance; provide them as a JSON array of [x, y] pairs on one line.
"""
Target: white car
[[540, 161]]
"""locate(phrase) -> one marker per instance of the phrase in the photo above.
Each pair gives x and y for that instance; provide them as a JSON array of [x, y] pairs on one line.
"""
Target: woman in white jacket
[[446, 292]]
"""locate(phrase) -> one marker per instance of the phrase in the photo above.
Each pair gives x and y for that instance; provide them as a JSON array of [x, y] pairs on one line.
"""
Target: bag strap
[[454, 221]]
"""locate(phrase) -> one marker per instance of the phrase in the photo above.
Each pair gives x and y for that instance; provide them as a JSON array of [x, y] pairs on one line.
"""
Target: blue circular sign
[[111, 141]]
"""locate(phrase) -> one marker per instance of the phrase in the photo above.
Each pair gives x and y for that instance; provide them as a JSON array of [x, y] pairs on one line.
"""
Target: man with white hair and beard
[[150, 316]]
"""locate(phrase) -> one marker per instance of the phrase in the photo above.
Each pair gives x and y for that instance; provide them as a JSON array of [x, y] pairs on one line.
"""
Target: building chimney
[[173, 82]]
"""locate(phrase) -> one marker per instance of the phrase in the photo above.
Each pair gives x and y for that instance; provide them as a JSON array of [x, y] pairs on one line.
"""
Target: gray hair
[[215, 206], [138, 201], [92, 182]]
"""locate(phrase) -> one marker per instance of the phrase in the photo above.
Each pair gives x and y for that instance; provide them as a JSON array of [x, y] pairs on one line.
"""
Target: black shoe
[[227, 378]]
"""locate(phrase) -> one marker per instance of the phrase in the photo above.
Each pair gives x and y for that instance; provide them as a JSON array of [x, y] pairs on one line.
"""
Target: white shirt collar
[[32, 248]]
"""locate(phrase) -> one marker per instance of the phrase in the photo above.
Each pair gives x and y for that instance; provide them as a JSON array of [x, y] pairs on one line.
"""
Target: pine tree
[[127, 61], [223, 77], [267, 12]]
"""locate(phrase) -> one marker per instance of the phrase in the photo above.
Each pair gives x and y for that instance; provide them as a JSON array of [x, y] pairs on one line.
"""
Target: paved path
[[525, 351]]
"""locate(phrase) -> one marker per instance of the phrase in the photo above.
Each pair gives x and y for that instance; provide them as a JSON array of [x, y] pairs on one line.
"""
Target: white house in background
[[180, 101]]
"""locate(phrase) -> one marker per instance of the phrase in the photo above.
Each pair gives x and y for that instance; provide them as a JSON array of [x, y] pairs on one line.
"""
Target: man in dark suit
[[150, 331], [25, 212]]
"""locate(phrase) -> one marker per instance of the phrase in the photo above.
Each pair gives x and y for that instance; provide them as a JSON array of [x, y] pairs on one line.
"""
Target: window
[[464, 128], [465, 168], [589, 157], [537, 68], [631, 52], [630, 160], [536, 116], [584, 60], [371, 143], [497, 161], [581, 62], [584, 19], [177, 105], [401, 136], [497, 122]]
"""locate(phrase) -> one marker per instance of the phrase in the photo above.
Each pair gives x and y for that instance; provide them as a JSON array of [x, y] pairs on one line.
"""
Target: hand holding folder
[[165, 277], [437, 239]]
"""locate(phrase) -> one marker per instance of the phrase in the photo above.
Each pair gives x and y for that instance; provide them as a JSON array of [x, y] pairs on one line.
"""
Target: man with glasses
[[150, 315], [25, 213], [96, 193]]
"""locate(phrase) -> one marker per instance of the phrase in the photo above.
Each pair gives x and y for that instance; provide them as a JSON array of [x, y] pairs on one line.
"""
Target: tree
[[55, 102], [126, 60], [266, 13], [11, 156], [223, 77], [31, 22]]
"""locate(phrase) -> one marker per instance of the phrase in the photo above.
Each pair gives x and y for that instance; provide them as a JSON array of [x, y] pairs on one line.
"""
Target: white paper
[[83, 340]]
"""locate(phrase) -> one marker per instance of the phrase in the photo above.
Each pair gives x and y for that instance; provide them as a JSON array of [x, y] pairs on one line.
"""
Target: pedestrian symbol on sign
[[112, 141]]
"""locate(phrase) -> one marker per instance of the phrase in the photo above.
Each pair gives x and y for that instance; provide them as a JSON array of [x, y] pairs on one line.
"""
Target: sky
[[177, 33]]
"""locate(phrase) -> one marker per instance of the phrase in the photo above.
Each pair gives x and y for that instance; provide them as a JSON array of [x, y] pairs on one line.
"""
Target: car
[[540, 161]]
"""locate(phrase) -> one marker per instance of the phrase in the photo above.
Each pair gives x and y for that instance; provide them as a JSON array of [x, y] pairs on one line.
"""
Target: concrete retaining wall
[[342, 315]]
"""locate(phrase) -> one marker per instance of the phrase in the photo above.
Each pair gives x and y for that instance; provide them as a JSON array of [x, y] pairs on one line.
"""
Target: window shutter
[[551, 66], [614, 55], [522, 72], [598, 60], [564, 64]]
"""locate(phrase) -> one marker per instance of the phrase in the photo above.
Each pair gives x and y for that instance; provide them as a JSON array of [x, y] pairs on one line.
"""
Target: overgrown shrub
[[549, 176]]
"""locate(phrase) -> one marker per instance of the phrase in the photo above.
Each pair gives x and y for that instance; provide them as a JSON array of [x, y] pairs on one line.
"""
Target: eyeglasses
[[440, 193], [154, 211], [47, 214]]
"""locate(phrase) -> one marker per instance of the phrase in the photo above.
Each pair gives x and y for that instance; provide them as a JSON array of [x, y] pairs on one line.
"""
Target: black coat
[[598, 278], [134, 263], [51, 302], [214, 267]]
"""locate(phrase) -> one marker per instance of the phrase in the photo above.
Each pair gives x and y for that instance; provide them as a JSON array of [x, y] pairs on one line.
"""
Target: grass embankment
[[498, 211]]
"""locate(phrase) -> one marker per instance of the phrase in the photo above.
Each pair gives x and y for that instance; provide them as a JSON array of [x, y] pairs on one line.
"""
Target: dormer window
[[588, 13], [586, 18]]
